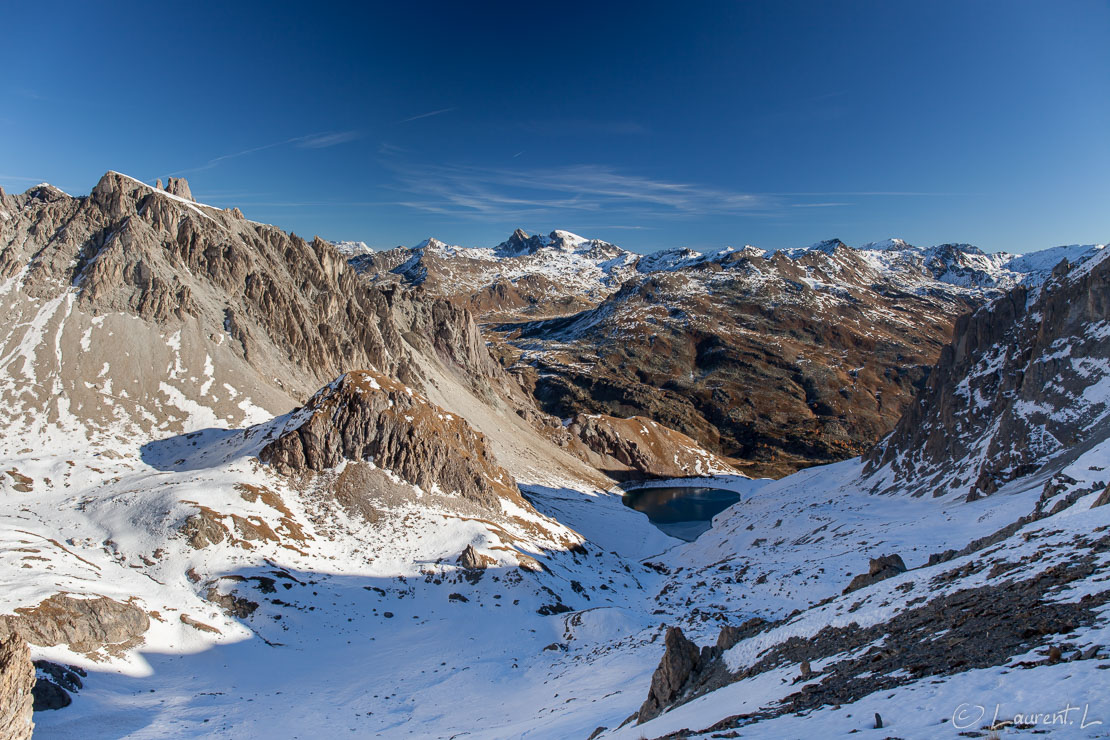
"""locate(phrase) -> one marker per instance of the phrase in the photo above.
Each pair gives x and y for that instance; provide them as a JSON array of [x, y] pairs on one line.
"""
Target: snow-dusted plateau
[[257, 486]]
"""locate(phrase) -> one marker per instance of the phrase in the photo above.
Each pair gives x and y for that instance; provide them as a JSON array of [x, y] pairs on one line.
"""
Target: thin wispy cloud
[[216, 161], [310, 141], [515, 194], [429, 114], [388, 149], [910, 193], [585, 127], [323, 141], [19, 178]]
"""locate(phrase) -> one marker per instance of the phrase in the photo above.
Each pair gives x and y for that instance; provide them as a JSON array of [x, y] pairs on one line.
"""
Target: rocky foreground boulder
[[366, 416], [879, 569], [17, 680], [679, 660]]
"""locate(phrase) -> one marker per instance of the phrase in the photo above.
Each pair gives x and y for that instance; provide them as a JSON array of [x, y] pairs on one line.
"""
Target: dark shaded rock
[[232, 605], [879, 569], [730, 635], [17, 680], [54, 684], [49, 695], [680, 657], [549, 609]]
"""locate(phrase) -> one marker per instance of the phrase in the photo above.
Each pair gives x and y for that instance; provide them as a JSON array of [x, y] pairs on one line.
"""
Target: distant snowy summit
[[352, 249], [568, 264]]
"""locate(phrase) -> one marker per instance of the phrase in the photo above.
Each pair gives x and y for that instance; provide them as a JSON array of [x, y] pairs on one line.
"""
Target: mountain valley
[[256, 485]]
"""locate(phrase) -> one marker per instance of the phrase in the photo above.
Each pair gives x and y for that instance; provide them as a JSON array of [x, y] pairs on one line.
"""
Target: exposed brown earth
[[84, 624], [746, 357]]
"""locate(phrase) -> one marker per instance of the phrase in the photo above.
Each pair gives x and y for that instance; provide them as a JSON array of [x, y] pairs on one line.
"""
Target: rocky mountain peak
[[367, 416], [828, 245], [519, 244]]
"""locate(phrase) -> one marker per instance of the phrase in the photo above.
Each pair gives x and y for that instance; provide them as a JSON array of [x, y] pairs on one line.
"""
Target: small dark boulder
[[879, 569]]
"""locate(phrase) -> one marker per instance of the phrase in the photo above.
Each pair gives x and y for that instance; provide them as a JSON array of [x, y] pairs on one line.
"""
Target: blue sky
[[651, 125]]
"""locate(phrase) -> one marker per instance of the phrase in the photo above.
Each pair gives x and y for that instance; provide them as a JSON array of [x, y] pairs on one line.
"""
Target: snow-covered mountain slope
[[154, 349], [678, 336], [1028, 377], [537, 276], [253, 496], [826, 602], [1002, 605]]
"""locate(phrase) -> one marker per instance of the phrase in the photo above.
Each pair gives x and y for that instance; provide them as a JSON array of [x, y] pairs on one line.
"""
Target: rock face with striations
[[179, 186], [17, 680], [1024, 378], [366, 416], [679, 660], [268, 309]]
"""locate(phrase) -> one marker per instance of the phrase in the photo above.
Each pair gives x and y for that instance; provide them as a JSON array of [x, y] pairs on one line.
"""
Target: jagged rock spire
[[179, 186]]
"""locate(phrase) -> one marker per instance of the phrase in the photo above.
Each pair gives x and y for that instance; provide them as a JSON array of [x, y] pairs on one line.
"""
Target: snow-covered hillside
[[247, 492]]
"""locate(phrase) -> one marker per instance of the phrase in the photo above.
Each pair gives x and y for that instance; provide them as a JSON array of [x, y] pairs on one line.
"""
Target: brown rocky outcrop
[[1103, 498], [471, 559], [879, 569], [1016, 386], [366, 416], [637, 448], [680, 658], [17, 681], [85, 625]]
